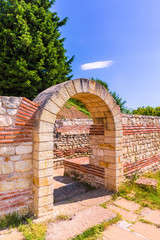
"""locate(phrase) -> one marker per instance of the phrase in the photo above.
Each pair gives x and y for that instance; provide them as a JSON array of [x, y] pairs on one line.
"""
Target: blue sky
[[126, 33]]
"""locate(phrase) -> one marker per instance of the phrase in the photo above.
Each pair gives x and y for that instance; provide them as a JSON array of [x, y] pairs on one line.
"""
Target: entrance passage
[[105, 137]]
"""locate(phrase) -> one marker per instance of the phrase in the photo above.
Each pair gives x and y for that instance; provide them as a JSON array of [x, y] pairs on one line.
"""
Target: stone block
[[27, 156], [6, 186], [108, 99], [43, 191], [2, 110], [85, 85], [43, 146], [57, 99], [43, 127], [11, 102], [23, 183], [44, 200], [43, 137], [16, 158], [42, 182], [43, 155], [63, 93], [110, 159], [23, 166], [12, 112], [112, 104], [47, 116], [43, 211], [43, 164], [7, 151], [103, 164], [117, 118], [78, 85], [70, 88], [5, 121], [92, 86], [40, 173], [6, 168], [113, 173], [23, 149], [109, 133], [51, 107], [116, 111]]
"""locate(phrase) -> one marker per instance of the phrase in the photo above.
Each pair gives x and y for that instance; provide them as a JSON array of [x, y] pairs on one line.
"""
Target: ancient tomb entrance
[[106, 147]]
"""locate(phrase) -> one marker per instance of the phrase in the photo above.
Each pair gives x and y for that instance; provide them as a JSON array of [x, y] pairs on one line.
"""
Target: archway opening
[[105, 136]]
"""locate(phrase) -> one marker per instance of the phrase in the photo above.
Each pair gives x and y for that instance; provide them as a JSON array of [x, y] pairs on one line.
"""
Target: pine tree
[[32, 55]]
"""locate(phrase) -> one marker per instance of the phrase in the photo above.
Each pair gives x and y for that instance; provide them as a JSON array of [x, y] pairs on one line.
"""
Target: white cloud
[[95, 65]]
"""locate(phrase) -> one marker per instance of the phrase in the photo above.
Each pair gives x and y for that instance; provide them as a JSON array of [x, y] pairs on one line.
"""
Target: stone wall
[[141, 140], [71, 139], [16, 140], [141, 137]]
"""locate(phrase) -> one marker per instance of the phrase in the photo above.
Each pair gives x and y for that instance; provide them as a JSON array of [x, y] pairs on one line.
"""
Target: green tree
[[32, 55], [116, 96], [150, 111]]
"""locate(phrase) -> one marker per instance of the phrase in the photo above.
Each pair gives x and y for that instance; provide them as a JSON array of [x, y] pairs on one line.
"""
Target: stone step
[[69, 190]]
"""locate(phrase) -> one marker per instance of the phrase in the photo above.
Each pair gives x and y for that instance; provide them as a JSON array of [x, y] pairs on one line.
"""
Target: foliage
[[144, 195], [33, 231], [116, 96], [13, 220], [32, 56], [147, 111], [94, 232]]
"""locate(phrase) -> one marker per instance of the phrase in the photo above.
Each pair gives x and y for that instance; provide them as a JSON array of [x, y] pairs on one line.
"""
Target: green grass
[[13, 220], [103, 205], [62, 217], [81, 109], [95, 232], [146, 196], [33, 231]]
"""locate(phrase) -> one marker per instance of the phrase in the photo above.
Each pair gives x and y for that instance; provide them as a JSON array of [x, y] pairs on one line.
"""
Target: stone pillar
[[43, 168]]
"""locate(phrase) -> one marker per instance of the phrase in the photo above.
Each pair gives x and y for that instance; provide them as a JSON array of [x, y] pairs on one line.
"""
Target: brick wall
[[16, 140]]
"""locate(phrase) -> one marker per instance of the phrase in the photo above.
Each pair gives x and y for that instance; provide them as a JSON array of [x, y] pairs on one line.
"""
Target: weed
[[148, 222], [103, 205], [13, 220], [62, 217], [33, 231]]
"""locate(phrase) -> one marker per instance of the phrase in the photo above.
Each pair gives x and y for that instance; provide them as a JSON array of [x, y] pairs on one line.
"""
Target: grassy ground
[[144, 195], [81, 109]]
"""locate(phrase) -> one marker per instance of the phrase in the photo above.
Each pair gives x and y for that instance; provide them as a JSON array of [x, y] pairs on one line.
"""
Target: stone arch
[[107, 145]]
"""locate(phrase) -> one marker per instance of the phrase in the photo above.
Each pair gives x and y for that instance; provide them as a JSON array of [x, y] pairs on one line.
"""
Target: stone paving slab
[[81, 202], [116, 233], [154, 217], [127, 215], [81, 222], [145, 211], [13, 236], [149, 231], [132, 206]]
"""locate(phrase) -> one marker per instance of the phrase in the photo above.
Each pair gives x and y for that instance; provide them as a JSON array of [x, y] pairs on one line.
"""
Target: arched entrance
[[107, 146]]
